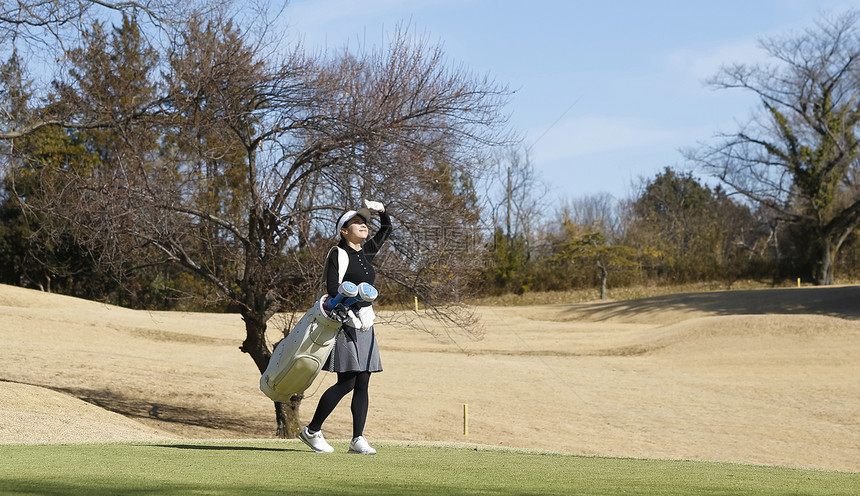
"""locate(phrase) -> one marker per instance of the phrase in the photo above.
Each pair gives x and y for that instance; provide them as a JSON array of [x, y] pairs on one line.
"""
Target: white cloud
[[599, 134], [701, 64]]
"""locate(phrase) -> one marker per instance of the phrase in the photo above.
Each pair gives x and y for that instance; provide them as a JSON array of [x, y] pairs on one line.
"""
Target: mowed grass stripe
[[288, 467]]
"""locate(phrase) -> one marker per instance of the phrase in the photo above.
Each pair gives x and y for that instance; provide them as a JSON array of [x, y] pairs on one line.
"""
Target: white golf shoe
[[359, 445], [316, 441]]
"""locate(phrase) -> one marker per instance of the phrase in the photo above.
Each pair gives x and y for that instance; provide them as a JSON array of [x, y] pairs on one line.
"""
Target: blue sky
[[607, 91]]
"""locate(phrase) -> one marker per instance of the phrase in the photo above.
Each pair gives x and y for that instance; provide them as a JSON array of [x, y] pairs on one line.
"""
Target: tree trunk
[[255, 341], [286, 414], [832, 242], [825, 277], [825, 270], [604, 274]]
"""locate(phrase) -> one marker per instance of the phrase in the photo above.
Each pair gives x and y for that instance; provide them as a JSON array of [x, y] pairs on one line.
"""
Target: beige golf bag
[[299, 357]]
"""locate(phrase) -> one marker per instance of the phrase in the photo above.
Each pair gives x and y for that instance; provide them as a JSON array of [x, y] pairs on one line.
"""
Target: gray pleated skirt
[[354, 351]]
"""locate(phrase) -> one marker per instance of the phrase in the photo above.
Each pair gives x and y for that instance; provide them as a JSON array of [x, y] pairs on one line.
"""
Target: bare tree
[[233, 162], [600, 212], [799, 155], [516, 196]]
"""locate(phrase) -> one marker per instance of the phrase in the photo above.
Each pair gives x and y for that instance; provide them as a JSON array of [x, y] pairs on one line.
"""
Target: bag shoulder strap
[[342, 263]]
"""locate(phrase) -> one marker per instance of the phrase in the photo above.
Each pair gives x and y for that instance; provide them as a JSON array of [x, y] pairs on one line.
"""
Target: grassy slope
[[287, 467]]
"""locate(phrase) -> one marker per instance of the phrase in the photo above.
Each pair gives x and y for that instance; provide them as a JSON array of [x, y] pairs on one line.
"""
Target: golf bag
[[298, 358]]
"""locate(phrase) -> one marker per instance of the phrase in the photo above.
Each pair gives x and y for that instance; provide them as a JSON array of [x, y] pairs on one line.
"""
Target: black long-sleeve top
[[360, 268]]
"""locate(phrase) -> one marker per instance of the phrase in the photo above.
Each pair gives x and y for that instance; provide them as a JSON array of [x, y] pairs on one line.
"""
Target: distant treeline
[[676, 231]]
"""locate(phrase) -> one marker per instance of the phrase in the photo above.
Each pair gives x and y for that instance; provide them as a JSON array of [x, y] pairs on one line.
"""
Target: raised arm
[[372, 246]]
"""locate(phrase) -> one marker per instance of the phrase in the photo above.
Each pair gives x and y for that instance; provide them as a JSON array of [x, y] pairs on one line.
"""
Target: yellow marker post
[[465, 419], [416, 304], [798, 282]]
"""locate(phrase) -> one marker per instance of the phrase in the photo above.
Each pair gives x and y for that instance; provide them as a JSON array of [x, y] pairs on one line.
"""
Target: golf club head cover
[[365, 292], [345, 290]]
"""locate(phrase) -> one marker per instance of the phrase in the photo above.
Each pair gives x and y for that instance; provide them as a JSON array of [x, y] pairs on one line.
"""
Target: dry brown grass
[[623, 293], [765, 376]]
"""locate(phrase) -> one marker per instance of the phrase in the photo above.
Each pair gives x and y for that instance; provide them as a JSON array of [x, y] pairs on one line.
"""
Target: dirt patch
[[35, 414]]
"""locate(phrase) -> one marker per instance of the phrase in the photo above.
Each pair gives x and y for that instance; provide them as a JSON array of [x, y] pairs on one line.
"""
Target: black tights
[[346, 381]]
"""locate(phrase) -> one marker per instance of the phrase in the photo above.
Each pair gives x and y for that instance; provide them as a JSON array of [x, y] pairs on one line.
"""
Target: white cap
[[349, 214]]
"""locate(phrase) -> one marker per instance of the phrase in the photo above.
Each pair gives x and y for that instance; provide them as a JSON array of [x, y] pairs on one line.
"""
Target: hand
[[374, 206]]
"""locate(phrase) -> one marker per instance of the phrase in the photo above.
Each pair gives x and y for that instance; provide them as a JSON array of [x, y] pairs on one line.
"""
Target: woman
[[355, 354]]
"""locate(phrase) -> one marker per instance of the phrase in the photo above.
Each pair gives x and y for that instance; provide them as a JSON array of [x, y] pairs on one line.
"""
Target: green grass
[[261, 467]]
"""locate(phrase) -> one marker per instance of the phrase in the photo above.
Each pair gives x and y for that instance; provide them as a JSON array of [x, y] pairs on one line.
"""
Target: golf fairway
[[288, 467]]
